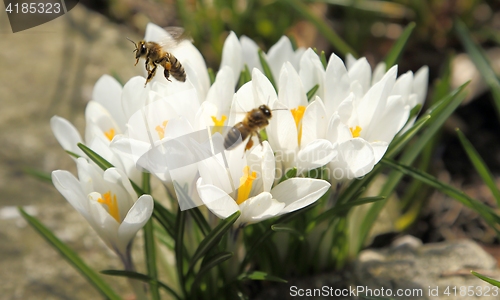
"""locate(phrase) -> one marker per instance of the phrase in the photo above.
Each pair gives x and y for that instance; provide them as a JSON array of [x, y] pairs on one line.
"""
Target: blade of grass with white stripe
[[397, 49], [482, 63], [486, 212], [335, 40], [149, 245], [92, 277], [487, 279], [141, 277], [480, 166]]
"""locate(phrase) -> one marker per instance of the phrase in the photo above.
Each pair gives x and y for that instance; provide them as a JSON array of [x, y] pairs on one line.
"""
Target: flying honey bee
[[156, 54], [254, 120]]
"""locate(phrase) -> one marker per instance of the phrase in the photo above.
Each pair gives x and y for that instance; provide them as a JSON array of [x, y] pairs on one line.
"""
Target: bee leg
[[167, 74], [151, 74], [249, 144]]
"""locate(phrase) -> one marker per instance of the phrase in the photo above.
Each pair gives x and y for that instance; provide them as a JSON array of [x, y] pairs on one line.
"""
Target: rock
[[436, 267]]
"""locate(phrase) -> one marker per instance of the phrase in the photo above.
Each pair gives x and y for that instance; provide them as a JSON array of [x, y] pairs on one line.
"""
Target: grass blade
[[259, 275], [141, 277], [487, 279], [213, 237], [92, 277], [397, 49], [207, 265], [149, 245], [481, 61], [267, 69], [101, 162], [335, 40], [480, 166], [486, 212]]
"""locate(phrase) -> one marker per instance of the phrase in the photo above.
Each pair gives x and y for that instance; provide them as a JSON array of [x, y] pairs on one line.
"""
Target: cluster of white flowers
[[346, 126]]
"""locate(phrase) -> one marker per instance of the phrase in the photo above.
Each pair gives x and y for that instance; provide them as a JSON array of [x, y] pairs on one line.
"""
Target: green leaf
[[92, 277], [211, 75], [487, 279], [482, 63], [486, 212], [72, 154], [245, 76], [208, 264], [179, 247], [266, 68], [141, 277], [287, 229], [340, 210], [213, 237], [200, 220], [312, 91], [38, 174], [289, 174], [325, 29], [397, 49], [323, 59], [101, 162], [480, 166], [259, 275], [149, 245]]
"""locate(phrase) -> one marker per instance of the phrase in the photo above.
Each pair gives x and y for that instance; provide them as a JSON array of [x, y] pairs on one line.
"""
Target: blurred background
[[51, 69]]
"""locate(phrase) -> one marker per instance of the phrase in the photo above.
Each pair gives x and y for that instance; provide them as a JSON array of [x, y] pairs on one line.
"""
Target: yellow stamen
[[218, 123], [245, 187], [355, 132], [110, 134], [112, 205], [297, 114], [161, 129]]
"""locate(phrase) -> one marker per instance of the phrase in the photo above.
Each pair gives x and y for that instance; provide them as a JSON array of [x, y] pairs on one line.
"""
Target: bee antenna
[[133, 43]]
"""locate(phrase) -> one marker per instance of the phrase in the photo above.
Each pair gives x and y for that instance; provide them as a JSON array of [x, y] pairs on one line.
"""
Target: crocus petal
[[262, 90], [258, 208], [337, 84], [379, 149], [420, 83], [108, 92], [98, 117], [66, 134], [297, 193], [232, 55], [315, 154], [314, 122], [392, 120], [337, 131], [361, 72], [71, 189], [134, 95], [355, 158], [291, 92], [250, 50], [217, 201], [278, 54], [136, 218], [312, 72]]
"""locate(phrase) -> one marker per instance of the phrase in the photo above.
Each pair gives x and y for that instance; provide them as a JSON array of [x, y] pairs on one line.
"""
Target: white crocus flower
[[238, 53], [364, 127], [246, 186], [297, 128], [155, 131], [108, 202], [105, 119]]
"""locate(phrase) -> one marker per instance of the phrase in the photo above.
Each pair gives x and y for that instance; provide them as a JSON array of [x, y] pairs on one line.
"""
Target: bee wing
[[175, 35]]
